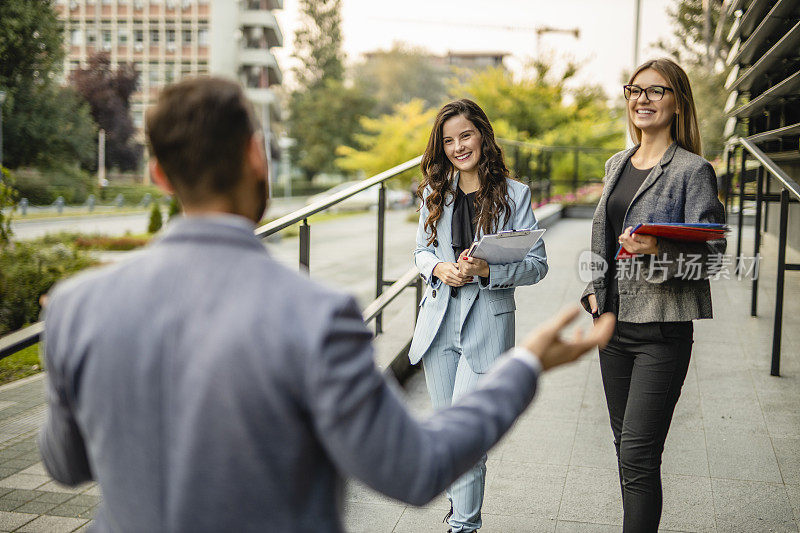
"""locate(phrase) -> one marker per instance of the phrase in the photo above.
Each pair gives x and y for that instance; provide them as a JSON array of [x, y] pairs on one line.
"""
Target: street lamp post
[[636, 22], [2, 101]]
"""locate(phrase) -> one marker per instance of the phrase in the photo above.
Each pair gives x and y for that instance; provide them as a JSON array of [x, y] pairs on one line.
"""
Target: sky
[[605, 46]]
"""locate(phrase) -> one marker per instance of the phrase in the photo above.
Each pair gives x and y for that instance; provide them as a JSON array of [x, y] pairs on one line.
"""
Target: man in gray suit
[[207, 388]]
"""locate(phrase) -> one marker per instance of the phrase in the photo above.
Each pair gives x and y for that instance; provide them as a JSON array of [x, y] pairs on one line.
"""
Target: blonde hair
[[684, 129]]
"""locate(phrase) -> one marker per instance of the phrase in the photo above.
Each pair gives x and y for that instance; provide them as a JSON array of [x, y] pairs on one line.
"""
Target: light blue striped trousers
[[449, 377]]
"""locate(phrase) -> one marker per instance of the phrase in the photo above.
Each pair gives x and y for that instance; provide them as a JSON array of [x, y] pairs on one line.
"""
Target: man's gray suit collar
[[212, 230]]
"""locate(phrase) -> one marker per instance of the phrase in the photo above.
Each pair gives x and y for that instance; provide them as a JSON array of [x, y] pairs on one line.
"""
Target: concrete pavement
[[732, 460]]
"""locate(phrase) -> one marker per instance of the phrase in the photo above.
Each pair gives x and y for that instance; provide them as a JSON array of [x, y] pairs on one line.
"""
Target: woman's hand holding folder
[[635, 243]]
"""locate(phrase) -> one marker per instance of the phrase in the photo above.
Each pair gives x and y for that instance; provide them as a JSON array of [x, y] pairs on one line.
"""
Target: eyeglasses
[[654, 92]]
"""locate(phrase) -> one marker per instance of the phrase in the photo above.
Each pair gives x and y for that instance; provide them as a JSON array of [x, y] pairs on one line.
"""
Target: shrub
[[132, 193], [27, 271], [104, 242], [156, 220], [174, 208], [8, 197], [43, 186]]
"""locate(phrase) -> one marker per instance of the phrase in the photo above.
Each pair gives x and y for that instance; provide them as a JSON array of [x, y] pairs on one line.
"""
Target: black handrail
[[20, 339], [411, 277], [301, 214], [776, 171], [788, 187], [30, 335]]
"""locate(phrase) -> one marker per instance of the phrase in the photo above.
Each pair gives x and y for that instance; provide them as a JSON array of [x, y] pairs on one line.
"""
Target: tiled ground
[[732, 458], [732, 461]]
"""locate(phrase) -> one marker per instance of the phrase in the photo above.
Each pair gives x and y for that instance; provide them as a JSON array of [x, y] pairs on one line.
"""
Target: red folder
[[677, 232]]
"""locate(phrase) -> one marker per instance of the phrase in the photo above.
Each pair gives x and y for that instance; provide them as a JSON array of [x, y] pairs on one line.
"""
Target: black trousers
[[643, 367]]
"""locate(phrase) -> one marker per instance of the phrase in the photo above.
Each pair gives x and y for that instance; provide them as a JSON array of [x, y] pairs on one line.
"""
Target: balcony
[[252, 20], [258, 58], [262, 37], [256, 5], [260, 76]]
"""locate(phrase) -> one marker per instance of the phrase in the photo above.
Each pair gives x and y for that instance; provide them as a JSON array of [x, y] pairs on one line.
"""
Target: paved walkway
[[732, 460]]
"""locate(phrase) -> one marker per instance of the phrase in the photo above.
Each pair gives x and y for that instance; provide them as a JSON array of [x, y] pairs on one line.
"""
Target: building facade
[[167, 40]]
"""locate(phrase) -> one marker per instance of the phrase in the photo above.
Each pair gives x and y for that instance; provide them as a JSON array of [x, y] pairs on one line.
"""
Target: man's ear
[[160, 177]]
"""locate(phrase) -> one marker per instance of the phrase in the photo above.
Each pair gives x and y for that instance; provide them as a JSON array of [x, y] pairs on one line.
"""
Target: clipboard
[[506, 246]]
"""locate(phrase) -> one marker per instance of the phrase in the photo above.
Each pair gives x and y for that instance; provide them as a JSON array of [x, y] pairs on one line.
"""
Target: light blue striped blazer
[[493, 304]]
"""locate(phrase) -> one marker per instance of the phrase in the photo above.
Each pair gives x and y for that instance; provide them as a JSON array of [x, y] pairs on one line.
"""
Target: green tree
[[400, 75], [318, 43], [700, 47], [698, 36], [43, 123], [48, 126], [538, 107], [532, 103], [30, 41], [324, 111], [322, 119], [389, 140], [8, 201]]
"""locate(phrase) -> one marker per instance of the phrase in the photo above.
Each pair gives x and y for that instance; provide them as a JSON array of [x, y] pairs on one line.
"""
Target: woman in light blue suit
[[464, 326]]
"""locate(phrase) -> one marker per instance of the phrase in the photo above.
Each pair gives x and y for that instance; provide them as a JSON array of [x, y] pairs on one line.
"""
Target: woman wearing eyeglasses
[[656, 295]]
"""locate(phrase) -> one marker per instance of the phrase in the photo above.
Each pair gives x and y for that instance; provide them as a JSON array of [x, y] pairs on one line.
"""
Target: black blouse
[[618, 202], [463, 227]]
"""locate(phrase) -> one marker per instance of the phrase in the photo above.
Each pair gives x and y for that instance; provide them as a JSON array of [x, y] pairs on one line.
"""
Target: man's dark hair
[[199, 131]]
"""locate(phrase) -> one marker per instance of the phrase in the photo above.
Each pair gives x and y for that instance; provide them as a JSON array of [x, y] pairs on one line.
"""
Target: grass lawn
[[324, 216], [21, 364], [18, 217]]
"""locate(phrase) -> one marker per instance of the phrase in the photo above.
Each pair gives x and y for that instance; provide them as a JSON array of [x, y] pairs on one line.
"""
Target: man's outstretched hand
[[546, 343]]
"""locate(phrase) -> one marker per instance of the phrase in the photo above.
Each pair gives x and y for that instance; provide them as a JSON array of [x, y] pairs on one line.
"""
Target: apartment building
[[167, 40]]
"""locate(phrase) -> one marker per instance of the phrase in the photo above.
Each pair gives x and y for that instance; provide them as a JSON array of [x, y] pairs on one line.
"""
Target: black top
[[463, 227], [618, 202]]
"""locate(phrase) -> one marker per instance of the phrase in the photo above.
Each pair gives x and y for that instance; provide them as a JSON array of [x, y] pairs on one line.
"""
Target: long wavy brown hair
[[492, 201]]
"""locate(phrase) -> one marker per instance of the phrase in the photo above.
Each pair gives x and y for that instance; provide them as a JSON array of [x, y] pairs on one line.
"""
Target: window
[[171, 38], [152, 75], [155, 36], [138, 118], [91, 37], [202, 37], [169, 73], [75, 37], [122, 35], [106, 39], [186, 36]]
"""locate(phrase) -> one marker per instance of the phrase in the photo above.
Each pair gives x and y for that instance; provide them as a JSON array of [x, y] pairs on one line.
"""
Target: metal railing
[[30, 335], [302, 215], [533, 164], [789, 187]]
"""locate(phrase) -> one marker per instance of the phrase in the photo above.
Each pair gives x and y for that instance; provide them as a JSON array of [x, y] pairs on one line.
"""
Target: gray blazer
[[681, 188], [207, 388]]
